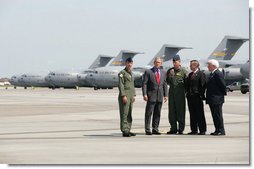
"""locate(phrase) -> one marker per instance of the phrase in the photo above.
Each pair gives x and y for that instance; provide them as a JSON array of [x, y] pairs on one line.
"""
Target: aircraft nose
[[47, 78], [21, 79], [82, 77]]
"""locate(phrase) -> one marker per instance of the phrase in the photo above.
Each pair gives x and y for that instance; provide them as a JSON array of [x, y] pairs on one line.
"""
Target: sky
[[46, 35]]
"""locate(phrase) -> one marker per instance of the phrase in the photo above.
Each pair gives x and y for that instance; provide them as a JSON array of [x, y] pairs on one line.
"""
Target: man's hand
[[133, 99], [125, 99], [165, 99], [145, 98]]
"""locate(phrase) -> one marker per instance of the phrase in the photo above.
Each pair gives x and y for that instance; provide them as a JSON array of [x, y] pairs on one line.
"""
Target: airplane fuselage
[[107, 77], [66, 80], [245, 70], [27, 80]]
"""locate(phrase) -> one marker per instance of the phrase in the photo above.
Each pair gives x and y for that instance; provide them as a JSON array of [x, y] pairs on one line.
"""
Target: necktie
[[193, 76], [158, 76], [211, 75]]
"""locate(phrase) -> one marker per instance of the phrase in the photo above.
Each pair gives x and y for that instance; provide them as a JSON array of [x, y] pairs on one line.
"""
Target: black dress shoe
[[213, 133], [148, 133], [180, 132], [126, 135], [201, 133], [156, 132], [132, 134], [193, 133], [219, 134], [171, 132]]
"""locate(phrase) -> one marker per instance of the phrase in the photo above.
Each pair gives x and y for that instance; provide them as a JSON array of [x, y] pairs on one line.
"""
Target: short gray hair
[[157, 58], [213, 62]]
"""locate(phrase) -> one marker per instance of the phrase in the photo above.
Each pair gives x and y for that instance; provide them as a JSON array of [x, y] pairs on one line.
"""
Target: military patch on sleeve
[[121, 75]]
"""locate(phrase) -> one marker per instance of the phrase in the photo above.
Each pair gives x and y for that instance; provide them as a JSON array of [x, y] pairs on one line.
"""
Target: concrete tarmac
[[66, 126]]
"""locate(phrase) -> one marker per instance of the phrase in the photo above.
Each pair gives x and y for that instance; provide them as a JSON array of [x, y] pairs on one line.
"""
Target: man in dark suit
[[154, 92], [216, 89], [195, 88]]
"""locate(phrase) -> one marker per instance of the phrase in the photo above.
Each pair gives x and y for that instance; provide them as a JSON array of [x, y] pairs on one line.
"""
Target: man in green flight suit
[[126, 98], [176, 79]]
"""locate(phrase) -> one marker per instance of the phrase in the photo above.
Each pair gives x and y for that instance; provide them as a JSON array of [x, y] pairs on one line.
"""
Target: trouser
[[216, 110], [197, 114], [152, 108], [125, 114], [177, 113]]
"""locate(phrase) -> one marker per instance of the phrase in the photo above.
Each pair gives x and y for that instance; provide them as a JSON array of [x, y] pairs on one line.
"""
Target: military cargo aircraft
[[103, 73], [55, 79], [15, 81], [28, 80], [224, 52], [107, 77], [63, 79]]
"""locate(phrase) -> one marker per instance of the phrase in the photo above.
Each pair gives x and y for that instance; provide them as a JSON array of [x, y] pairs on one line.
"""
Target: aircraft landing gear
[[53, 88]]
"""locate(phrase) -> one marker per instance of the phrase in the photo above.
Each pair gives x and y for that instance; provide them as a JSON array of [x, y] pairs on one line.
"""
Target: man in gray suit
[[154, 89]]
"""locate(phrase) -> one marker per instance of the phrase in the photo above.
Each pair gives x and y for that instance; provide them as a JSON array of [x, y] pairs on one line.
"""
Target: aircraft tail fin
[[167, 52], [101, 61], [122, 56], [227, 48]]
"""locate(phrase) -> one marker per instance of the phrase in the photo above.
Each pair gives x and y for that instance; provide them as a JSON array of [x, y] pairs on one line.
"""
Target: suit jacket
[[196, 84], [216, 88], [151, 88]]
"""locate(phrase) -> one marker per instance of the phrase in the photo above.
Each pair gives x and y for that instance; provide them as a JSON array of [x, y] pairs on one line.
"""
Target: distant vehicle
[[234, 86], [4, 83], [245, 87]]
